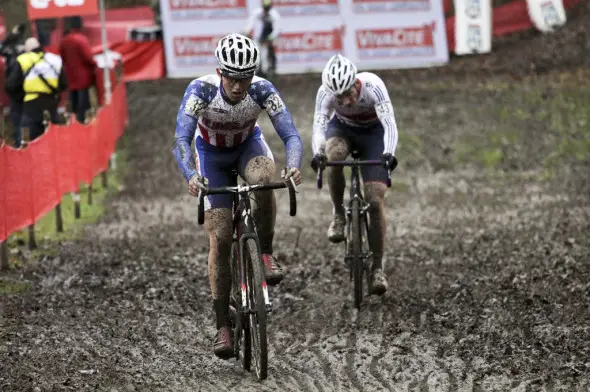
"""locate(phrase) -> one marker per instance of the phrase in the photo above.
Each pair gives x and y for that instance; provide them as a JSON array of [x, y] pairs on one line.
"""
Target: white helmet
[[339, 74], [237, 56]]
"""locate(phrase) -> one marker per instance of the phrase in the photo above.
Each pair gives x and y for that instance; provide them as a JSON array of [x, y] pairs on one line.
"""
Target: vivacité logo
[[396, 42], [195, 50], [205, 9], [306, 7], [313, 46], [390, 5]]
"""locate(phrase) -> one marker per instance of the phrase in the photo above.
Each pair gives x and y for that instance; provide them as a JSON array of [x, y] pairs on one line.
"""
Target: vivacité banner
[[375, 34]]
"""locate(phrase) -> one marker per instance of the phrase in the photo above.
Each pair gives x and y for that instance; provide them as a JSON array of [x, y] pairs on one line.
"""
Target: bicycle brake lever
[[294, 185]]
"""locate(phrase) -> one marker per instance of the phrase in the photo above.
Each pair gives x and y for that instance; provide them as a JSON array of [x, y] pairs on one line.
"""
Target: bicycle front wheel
[[355, 246], [241, 327], [257, 306]]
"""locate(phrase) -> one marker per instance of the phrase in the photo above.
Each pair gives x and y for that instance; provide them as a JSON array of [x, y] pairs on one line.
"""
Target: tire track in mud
[[132, 301]]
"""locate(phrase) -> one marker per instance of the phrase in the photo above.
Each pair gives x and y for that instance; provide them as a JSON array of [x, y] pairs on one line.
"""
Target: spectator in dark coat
[[79, 67]]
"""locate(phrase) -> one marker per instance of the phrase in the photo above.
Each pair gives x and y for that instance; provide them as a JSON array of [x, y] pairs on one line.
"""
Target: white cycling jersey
[[373, 105], [259, 21]]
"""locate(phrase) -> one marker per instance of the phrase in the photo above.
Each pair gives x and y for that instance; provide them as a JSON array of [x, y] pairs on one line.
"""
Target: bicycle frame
[[244, 226], [361, 251], [356, 193]]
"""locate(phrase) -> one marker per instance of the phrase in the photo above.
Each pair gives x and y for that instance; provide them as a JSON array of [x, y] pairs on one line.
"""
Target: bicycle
[[249, 292], [358, 255]]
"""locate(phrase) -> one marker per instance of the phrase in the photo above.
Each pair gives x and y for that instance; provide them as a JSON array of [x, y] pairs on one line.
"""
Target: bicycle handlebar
[[373, 162], [242, 189]]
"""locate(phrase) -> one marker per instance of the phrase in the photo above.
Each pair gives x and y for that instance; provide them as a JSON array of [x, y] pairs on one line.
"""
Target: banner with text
[[41, 9], [546, 14], [473, 26], [378, 33]]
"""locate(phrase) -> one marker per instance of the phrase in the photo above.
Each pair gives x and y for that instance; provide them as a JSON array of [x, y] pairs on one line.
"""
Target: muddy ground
[[488, 259]]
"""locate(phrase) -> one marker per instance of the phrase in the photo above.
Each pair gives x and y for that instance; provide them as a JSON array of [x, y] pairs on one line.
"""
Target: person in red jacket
[[79, 67]]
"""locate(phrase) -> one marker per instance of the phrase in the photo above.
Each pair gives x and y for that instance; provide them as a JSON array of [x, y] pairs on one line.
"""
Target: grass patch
[[7, 287], [538, 126], [487, 150]]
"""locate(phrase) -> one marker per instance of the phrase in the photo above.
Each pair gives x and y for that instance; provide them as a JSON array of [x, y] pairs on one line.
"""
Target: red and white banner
[[377, 33], [395, 42], [473, 26], [546, 14], [40, 9], [305, 49], [306, 7], [376, 6], [185, 10], [195, 51]]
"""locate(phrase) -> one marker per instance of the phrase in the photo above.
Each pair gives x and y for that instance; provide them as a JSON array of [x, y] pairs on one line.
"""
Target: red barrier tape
[[34, 179]]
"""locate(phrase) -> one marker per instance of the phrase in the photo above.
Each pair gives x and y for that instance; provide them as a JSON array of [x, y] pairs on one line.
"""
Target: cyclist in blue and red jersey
[[220, 112]]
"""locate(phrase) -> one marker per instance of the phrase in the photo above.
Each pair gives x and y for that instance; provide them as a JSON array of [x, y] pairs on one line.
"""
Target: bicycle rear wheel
[[257, 316], [356, 265]]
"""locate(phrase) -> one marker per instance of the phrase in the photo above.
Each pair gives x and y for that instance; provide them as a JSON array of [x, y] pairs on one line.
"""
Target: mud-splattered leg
[[374, 195], [258, 170], [218, 223], [337, 149]]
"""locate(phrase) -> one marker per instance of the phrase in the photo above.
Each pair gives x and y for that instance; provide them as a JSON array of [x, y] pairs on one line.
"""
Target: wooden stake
[[76, 198], [105, 179], [32, 241], [90, 193], [4, 255]]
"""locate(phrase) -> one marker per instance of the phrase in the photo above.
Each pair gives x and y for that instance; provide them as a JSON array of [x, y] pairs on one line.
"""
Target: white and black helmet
[[339, 74], [237, 56]]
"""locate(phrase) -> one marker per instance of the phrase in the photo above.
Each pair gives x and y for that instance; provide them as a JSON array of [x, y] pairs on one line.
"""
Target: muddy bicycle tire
[[255, 278], [356, 265]]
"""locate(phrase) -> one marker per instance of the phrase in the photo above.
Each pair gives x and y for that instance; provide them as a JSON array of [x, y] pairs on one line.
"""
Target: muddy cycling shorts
[[216, 164], [367, 140]]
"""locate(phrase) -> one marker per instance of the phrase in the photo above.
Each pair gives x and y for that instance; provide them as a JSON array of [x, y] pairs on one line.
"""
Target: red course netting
[[33, 179], [2, 203]]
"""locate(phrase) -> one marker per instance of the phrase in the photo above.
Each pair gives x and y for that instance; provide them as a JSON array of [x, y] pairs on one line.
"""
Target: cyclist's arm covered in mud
[[194, 100], [324, 102], [384, 110], [282, 121]]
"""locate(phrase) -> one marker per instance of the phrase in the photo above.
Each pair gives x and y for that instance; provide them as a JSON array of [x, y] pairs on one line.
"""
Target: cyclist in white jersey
[[219, 112], [362, 119]]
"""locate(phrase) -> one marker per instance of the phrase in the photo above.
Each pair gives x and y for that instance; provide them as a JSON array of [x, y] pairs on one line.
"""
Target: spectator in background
[[41, 78], [79, 66], [10, 48]]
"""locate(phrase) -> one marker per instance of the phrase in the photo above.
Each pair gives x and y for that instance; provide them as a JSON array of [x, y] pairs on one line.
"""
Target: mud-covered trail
[[488, 257], [488, 270]]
